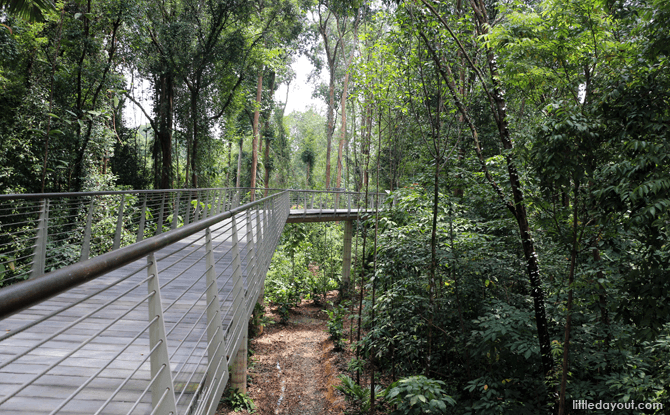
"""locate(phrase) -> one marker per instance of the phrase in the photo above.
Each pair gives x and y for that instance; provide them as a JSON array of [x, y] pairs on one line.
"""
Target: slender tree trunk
[[331, 121], [195, 92], [368, 143], [239, 163], [458, 293], [266, 155], [230, 167], [343, 105], [165, 136], [78, 164], [343, 132], [517, 206], [51, 100], [254, 142], [374, 272], [568, 319]]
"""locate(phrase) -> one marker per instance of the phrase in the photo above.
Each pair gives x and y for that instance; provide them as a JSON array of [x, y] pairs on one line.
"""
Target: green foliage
[[32, 10], [357, 394], [306, 264], [418, 395], [259, 320], [335, 324], [239, 401]]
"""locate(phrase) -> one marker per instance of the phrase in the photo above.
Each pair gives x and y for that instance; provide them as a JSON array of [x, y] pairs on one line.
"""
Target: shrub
[[418, 395]]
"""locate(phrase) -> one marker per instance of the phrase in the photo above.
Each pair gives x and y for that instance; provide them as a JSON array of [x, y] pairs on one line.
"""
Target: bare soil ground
[[294, 368]]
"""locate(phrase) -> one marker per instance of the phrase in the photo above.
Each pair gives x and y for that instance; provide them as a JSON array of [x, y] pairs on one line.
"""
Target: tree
[[497, 102]]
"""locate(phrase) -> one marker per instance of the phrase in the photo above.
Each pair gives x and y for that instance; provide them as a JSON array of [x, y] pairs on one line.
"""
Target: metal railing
[[44, 232], [320, 201], [145, 297], [134, 335]]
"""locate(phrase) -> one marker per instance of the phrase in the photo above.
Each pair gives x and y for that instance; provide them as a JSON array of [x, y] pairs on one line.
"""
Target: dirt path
[[294, 367]]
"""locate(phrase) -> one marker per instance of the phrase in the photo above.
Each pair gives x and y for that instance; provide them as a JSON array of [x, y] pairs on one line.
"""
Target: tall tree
[[495, 95]]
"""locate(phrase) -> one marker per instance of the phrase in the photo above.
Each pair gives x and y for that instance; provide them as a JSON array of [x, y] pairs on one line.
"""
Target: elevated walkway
[[137, 302], [319, 215]]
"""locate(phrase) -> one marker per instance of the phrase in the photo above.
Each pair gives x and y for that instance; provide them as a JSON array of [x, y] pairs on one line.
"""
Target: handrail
[[43, 232], [126, 192], [200, 285], [209, 260], [27, 293]]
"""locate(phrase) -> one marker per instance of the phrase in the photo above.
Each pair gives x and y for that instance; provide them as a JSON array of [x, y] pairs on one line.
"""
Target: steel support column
[[346, 257]]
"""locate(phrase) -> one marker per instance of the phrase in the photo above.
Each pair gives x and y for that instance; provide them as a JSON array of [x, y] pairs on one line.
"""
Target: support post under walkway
[[346, 257], [238, 371]]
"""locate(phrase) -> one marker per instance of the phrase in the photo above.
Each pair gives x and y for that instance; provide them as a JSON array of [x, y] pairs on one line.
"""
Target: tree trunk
[[254, 143], [51, 100], [266, 155], [517, 207], [165, 130], [239, 163], [343, 105], [331, 126], [568, 319], [194, 120], [230, 157]]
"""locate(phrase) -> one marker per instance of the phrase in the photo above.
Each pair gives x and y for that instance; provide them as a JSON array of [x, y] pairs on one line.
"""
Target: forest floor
[[294, 368]]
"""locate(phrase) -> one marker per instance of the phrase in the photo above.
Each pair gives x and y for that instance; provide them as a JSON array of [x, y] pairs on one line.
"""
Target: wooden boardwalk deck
[[112, 344]]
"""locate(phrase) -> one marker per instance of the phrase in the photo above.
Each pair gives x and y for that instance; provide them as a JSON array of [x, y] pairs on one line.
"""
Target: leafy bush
[[335, 325], [239, 401], [418, 395], [357, 394]]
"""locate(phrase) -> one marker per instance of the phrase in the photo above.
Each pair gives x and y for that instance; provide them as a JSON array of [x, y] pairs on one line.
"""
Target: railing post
[[86, 244], [238, 285], [251, 260], [217, 373], [346, 258], [206, 210], [162, 391], [159, 225], [119, 223], [175, 211], [196, 214], [222, 201], [187, 217], [260, 256], [239, 361], [40, 253], [143, 216]]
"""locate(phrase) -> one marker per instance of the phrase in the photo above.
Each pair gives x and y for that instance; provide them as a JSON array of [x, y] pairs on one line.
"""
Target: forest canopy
[[522, 260]]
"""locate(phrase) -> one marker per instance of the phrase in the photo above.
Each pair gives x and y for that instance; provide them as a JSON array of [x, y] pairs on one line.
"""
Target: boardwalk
[[139, 338], [120, 330]]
